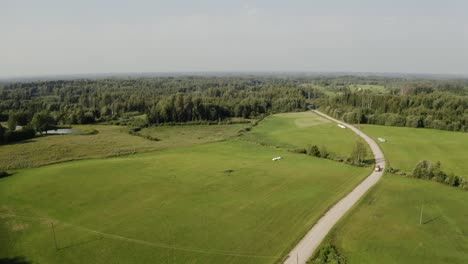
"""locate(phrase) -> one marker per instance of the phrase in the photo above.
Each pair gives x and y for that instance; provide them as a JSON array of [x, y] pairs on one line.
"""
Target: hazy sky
[[103, 36]]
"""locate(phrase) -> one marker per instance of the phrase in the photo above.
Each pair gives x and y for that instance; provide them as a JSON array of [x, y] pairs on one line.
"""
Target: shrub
[[313, 151], [18, 135], [329, 254], [423, 170], [299, 150], [324, 152], [426, 170]]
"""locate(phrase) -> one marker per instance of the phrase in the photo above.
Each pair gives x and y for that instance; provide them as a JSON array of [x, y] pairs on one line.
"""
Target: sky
[[55, 37]]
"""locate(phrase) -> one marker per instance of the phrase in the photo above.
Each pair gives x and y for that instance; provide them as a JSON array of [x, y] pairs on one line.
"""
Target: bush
[[19, 135], [426, 170], [324, 152], [299, 150], [313, 151], [414, 121], [392, 170], [329, 254], [423, 170]]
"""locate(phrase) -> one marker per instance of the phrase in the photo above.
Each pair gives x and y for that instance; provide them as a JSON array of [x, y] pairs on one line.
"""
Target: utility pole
[[420, 217], [53, 231]]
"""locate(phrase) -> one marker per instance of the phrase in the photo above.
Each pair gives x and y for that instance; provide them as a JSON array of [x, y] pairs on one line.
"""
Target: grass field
[[189, 135], [298, 130], [368, 87], [109, 141], [213, 203], [406, 146], [385, 228]]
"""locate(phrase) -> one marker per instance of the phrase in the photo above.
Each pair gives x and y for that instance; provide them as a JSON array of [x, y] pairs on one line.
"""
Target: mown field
[[368, 87], [385, 226], [211, 203], [188, 202], [405, 147], [109, 141], [298, 130]]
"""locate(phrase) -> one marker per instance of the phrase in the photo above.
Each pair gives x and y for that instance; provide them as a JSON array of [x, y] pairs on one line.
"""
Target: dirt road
[[306, 247]]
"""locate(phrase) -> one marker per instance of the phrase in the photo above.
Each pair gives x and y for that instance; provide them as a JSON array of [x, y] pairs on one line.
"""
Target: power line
[[142, 242]]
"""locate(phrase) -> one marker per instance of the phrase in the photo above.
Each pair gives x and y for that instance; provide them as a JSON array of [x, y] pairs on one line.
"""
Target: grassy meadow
[[218, 202], [368, 87], [385, 226], [405, 147], [298, 130], [107, 142]]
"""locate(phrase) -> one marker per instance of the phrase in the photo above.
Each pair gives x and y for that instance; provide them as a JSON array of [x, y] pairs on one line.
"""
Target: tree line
[[41, 105], [422, 109], [166, 99]]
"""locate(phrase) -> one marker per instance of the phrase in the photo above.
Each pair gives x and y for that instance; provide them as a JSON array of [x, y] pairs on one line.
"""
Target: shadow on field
[[14, 260], [4, 174], [26, 141], [432, 219], [79, 244]]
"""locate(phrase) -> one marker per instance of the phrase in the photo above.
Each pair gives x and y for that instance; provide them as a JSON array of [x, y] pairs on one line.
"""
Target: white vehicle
[[378, 168]]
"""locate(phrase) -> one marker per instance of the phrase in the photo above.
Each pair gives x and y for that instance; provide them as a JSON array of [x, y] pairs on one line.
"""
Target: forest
[[443, 110], [37, 106]]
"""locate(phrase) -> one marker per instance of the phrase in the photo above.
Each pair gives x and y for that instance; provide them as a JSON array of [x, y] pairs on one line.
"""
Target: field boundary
[[314, 237]]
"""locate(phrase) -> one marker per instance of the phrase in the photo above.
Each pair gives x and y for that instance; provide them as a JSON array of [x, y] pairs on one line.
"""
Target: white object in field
[[340, 125], [276, 158], [381, 139]]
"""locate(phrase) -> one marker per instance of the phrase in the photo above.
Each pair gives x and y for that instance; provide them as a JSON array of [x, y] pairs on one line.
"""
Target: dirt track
[[306, 247]]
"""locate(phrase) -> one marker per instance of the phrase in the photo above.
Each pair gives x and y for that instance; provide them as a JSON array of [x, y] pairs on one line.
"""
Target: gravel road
[[306, 247]]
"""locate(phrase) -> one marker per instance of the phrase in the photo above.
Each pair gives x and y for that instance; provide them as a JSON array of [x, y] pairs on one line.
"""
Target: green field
[[109, 141], [222, 199], [298, 130], [178, 136], [368, 87], [405, 147], [218, 202], [384, 227]]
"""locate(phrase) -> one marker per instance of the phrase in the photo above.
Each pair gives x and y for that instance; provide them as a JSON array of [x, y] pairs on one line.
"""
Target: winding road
[[306, 247]]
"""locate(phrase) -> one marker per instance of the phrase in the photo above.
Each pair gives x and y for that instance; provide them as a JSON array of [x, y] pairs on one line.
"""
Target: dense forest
[[37, 106], [416, 107]]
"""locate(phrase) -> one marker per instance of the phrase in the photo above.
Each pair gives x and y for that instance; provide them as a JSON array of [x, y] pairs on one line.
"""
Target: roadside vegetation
[[300, 131], [311, 134], [406, 147]]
